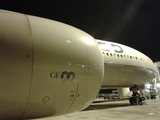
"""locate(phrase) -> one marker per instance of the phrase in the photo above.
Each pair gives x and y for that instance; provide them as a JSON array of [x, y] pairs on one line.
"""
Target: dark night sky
[[135, 23]]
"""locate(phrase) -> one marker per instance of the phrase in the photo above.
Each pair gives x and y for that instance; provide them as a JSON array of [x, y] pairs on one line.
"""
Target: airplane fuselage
[[125, 66]]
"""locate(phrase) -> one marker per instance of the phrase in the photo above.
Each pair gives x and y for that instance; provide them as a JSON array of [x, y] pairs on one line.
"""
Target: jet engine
[[47, 68]]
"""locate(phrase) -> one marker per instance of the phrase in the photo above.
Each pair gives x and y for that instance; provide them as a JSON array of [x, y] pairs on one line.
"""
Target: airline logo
[[105, 47]]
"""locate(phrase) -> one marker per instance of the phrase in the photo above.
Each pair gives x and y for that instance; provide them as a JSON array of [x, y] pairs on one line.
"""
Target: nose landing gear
[[135, 100]]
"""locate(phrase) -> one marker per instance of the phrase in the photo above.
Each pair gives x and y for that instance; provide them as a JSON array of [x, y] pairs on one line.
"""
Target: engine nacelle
[[47, 68]]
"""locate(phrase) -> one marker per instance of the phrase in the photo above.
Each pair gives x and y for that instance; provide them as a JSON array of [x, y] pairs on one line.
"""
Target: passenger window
[[107, 54], [111, 54]]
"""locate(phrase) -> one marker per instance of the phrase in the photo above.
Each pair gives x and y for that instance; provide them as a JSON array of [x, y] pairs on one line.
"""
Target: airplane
[[125, 66], [50, 68]]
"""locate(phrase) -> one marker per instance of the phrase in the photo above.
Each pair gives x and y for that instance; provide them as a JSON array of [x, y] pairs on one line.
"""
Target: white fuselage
[[125, 66]]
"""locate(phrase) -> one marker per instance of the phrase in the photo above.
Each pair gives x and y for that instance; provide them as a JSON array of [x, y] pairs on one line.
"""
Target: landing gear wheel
[[131, 100]]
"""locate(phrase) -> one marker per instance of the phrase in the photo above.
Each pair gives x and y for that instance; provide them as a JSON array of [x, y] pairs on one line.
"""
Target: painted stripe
[[74, 97], [155, 110]]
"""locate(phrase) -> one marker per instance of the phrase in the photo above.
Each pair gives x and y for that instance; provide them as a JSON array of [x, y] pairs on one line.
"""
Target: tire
[[143, 98], [131, 100]]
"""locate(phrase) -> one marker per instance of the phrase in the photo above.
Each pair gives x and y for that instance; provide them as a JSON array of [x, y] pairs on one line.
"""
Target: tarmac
[[115, 110]]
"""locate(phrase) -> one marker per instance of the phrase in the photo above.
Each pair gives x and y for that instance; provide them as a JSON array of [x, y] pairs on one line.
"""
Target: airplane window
[[107, 54], [111, 54], [121, 56], [103, 53], [131, 57], [114, 55], [127, 56], [118, 55], [124, 56], [136, 58]]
